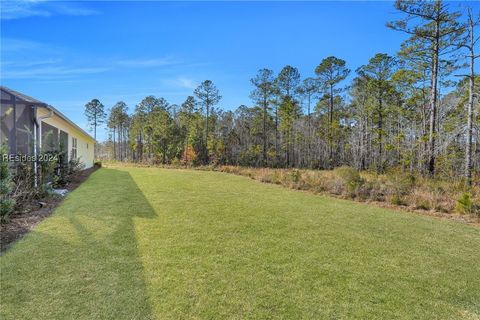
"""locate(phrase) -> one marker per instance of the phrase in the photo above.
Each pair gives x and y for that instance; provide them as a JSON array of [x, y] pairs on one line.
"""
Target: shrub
[[398, 186], [23, 181], [293, 179], [397, 200], [467, 205], [351, 179], [176, 162], [395, 187], [75, 166], [7, 203], [366, 190]]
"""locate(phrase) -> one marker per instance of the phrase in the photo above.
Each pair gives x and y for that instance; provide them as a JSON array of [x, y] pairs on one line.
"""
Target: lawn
[[146, 243]]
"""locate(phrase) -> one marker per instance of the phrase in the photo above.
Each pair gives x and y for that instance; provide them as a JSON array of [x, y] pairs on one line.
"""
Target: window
[[49, 138], [63, 138], [74, 148]]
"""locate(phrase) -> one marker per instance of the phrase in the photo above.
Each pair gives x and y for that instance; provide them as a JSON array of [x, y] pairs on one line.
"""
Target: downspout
[[37, 135]]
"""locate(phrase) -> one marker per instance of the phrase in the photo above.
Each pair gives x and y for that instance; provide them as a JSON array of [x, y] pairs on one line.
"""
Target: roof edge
[[70, 122], [24, 98]]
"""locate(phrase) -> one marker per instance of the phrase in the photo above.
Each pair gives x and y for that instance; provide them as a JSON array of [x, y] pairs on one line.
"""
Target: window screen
[[24, 119], [49, 138], [6, 125], [63, 146]]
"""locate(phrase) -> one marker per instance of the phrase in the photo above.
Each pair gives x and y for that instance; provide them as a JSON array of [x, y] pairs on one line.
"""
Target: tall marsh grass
[[395, 188]]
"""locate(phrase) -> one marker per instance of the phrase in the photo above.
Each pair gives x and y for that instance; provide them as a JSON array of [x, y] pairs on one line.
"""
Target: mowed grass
[[146, 243]]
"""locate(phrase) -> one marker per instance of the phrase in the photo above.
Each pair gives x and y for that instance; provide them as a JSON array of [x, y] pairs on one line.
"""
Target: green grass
[[141, 243]]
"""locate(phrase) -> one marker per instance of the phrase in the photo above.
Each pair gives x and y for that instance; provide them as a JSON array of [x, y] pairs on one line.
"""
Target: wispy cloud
[[180, 82], [25, 59], [186, 83], [20, 46], [49, 72], [29, 63], [147, 62], [17, 9]]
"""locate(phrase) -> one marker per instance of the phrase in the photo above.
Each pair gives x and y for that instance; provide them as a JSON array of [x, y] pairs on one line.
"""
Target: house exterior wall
[[85, 144]]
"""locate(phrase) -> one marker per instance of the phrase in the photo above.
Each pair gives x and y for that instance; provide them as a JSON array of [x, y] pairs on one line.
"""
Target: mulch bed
[[33, 213]]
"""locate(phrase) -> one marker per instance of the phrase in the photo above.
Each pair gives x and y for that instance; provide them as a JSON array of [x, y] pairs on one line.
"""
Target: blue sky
[[66, 53]]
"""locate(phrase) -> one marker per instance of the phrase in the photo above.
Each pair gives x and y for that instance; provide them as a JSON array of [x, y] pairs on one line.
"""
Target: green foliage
[[7, 203], [288, 81], [467, 205], [351, 178], [331, 71], [400, 184], [95, 113], [307, 123]]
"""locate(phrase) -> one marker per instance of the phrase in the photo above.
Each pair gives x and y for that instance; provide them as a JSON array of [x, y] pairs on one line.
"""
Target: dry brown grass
[[395, 189]]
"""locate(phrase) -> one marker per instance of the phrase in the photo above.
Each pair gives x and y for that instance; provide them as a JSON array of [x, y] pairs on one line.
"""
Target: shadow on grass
[[83, 262]]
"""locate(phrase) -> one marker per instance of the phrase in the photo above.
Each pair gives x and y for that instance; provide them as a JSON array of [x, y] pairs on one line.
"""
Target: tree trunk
[[309, 143], [276, 133], [206, 135], [114, 150], [330, 130], [433, 102], [468, 149], [380, 136], [265, 132]]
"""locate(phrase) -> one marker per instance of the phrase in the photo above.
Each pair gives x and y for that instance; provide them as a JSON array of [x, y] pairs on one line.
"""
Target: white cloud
[[187, 83], [18, 9], [29, 63], [26, 59], [143, 62], [181, 82], [50, 72], [18, 46]]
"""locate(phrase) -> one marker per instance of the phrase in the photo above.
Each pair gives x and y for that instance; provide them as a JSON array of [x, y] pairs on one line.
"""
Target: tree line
[[417, 110]]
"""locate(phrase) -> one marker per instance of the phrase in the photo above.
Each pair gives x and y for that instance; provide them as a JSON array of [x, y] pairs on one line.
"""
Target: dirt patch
[[35, 211]]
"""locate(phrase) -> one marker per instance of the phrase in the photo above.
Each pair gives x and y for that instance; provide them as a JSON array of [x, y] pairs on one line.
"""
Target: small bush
[[7, 203], [466, 205], [397, 200], [401, 184], [366, 190], [351, 179], [176, 162], [75, 168]]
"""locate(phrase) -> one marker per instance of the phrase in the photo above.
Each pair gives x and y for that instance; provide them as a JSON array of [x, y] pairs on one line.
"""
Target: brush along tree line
[[417, 110]]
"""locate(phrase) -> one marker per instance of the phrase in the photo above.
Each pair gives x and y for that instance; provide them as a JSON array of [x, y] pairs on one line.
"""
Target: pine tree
[[209, 96], [95, 113], [262, 95], [433, 31], [330, 72]]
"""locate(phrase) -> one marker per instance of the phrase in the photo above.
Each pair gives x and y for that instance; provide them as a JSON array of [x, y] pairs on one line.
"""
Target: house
[[31, 127]]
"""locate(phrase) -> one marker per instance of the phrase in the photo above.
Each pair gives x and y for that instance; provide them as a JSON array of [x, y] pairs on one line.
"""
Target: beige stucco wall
[[85, 144]]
